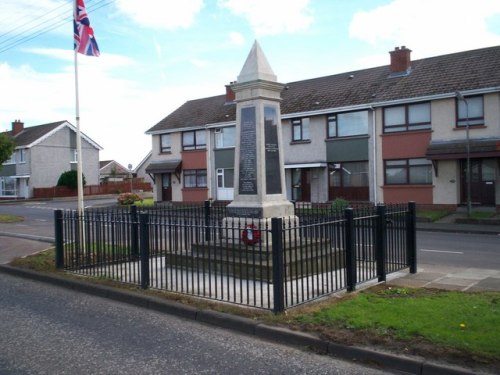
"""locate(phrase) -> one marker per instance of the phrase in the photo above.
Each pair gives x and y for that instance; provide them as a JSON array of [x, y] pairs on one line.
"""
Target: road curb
[[281, 335], [29, 237]]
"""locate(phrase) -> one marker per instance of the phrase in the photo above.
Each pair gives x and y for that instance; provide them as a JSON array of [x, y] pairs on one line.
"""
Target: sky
[[158, 54]]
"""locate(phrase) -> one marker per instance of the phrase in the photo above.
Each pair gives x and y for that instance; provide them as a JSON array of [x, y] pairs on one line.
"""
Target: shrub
[[339, 204], [128, 198], [69, 179]]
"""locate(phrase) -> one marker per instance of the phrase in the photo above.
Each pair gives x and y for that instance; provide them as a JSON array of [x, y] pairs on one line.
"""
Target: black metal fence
[[271, 263]]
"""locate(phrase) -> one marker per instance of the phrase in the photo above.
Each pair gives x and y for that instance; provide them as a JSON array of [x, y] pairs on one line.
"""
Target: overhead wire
[[42, 27]]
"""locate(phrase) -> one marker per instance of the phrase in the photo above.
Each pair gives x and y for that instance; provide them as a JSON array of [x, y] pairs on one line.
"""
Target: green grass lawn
[[468, 322], [5, 218], [432, 215]]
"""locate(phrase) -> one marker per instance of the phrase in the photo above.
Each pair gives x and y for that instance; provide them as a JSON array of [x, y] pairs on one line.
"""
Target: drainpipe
[[374, 156], [209, 165]]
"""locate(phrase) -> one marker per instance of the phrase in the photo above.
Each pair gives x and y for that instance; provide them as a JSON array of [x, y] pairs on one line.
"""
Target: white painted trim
[[306, 165]]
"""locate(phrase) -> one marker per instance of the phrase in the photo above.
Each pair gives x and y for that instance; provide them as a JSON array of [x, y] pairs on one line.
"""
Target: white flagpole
[[81, 211], [79, 169]]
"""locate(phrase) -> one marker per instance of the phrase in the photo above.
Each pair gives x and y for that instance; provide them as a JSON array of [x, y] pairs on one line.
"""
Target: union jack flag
[[85, 42]]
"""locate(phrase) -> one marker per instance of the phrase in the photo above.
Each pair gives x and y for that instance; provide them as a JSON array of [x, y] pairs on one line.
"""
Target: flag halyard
[[84, 40]]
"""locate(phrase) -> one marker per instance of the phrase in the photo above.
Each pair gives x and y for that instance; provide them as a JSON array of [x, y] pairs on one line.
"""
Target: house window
[[225, 137], [193, 140], [408, 171], [7, 187], [472, 112], [22, 155], [195, 178], [331, 122], [73, 155], [165, 143], [300, 130], [11, 160], [409, 117], [225, 178], [349, 174], [347, 124]]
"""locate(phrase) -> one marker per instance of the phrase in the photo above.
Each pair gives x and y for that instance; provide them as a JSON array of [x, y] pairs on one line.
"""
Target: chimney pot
[[230, 95], [400, 59], [17, 127]]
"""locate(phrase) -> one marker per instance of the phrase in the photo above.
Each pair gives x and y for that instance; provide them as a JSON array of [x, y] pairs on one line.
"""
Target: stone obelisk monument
[[259, 188]]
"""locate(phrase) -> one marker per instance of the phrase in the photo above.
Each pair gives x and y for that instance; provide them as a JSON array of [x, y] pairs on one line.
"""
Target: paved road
[[51, 330], [459, 249]]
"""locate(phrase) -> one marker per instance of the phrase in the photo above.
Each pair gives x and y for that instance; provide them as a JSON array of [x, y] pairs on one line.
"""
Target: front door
[[301, 184], [482, 185], [166, 187]]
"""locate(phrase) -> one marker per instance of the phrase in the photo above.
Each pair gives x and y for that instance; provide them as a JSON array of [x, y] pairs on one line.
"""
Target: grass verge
[[432, 215], [464, 322], [5, 218], [455, 327]]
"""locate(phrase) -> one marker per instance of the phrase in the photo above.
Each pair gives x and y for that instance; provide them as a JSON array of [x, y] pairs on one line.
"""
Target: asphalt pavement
[[22, 241]]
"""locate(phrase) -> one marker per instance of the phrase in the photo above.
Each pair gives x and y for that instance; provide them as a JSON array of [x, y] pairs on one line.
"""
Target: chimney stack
[[17, 127], [230, 95], [400, 60]]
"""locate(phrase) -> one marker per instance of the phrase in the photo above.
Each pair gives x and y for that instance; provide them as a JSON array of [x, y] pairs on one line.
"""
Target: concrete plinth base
[[255, 262]]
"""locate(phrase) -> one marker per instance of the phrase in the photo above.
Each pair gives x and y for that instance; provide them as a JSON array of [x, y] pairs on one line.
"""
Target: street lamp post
[[467, 151], [130, 176]]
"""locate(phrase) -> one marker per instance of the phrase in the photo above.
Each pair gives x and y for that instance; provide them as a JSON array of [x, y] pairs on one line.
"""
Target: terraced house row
[[393, 133]]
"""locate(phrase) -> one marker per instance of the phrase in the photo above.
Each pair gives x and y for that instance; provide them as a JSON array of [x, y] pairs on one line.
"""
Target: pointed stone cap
[[256, 67]]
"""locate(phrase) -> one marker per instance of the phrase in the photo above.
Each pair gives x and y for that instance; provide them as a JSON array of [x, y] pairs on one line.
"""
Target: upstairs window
[[225, 137], [408, 117], [470, 111], [300, 130], [347, 124], [165, 143], [73, 155], [22, 155], [193, 140]]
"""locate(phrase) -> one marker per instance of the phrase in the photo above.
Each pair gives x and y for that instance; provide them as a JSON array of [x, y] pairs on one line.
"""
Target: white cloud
[[161, 14], [115, 112], [268, 17], [428, 27], [107, 61], [22, 19], [236, 39]]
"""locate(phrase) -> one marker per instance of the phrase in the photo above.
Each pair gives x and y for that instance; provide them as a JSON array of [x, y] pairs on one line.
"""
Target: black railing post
[[277, 249], [207, 220], [59, 241], [144, 247], [411, 236], [78, 244], [134, 232], [350, 250], [381, 236]]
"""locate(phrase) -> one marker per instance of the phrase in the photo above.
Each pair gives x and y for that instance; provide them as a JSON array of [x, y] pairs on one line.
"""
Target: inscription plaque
[[248, 152], [248, 212], [272, 156]]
